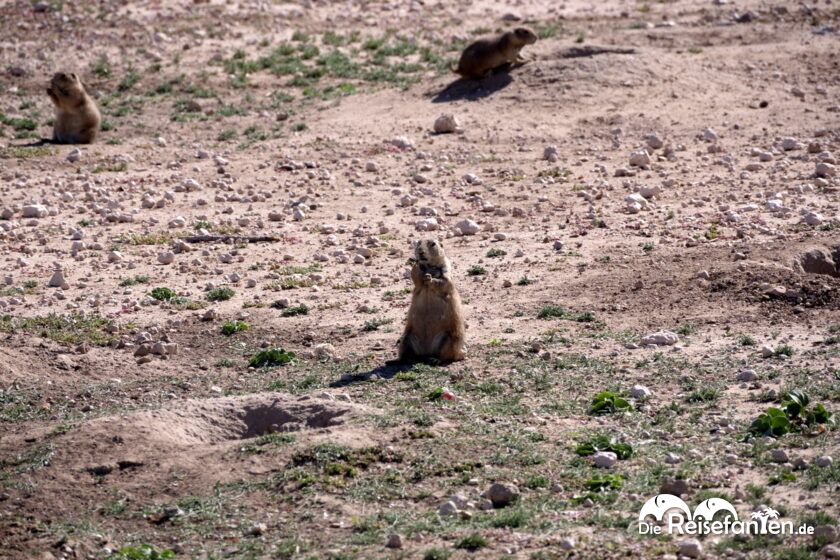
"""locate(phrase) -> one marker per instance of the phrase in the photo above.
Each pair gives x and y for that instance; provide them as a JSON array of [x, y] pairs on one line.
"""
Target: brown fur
[[485, 55], [435, 328], [77, 119]]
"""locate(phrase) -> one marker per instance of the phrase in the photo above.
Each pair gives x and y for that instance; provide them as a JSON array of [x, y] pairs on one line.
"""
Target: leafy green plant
[[162, 294], [493, 253], [141, 552], [551, 312], [233, 327], [795, 414], [607, 402], [220, 294], [604, 443], [133, 281], [603, 483], [301, 309], [472, 542], [476, 270], [271, 358]]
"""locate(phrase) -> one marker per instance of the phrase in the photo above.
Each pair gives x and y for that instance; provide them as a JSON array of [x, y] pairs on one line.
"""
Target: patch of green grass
[[301, 309], [162, 294], [129, 80], [71, 328], [145, 238], [141, 552], [437, 554], [374, 324], [26, 152], [18, 124], [746, 340], [262, 443], [525, 281], [232, 327], [495, 253], [472, 542], [101, 67], [271, 358], [687, 329], [704, 395], [784, 350], [227, 134], [222, 293], [712, 233]]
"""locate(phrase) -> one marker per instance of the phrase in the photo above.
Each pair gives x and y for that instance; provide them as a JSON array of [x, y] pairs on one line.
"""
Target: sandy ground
[[663, 166]]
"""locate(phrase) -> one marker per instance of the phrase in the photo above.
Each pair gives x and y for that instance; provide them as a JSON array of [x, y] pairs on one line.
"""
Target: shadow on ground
[[473, 90]]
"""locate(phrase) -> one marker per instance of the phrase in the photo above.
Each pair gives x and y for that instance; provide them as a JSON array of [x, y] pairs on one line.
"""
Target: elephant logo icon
[[708, 508], [658, 505]]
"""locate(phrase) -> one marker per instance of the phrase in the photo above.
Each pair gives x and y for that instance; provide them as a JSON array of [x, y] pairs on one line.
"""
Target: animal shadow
[[473, 90], [385, 371]]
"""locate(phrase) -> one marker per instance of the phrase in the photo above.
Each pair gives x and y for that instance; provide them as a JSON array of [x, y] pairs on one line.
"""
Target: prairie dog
[[435, 326], [76, 117], [485, 55]]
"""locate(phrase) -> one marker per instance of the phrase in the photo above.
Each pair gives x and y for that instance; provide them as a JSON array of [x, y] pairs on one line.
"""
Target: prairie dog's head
[[66, 90], [430, 251], [523, 36]]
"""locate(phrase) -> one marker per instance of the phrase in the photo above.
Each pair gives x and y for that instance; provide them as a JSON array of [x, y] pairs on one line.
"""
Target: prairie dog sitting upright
[[76, 117], [435, 327], [485, 55]]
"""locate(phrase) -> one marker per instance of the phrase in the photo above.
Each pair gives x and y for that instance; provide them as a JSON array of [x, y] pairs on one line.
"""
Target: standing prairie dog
[[76, 117], [485, 55], [435, 326]]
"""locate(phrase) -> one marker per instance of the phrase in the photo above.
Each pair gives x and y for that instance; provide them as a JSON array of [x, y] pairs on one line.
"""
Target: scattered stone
[[448, 509], [640, 158], [550, 153], [604, 459], [824, 169], [767, 351], [446, 123], [690, 548], [653, 141], [779, 456], [640, 392], [502, 494], [747, 375], [74, 155], [467, 227], [661, 338], [395, 540], [674, 486], [567, 543], [824, 461], [167, 257], [58, 281]]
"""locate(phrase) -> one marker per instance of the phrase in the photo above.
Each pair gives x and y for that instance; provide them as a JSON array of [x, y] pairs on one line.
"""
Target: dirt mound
[[229, 418]]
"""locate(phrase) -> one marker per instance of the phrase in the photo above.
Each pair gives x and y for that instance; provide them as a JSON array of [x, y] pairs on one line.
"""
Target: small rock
[[824, 169], [604, 459], [74, 155], [395, 540], [448, 509], [779, 456], [567, 543], [467, 227], [167, 257], [661, 338], [747, 375], [691, 548], [640, 392], [550, 153], [446, 123], [767, 351], [256, 529], [640, 158], [824, 461], [502, 494]]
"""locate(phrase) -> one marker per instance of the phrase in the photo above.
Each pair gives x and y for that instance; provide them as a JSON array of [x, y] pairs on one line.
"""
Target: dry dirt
[[133, 426]]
